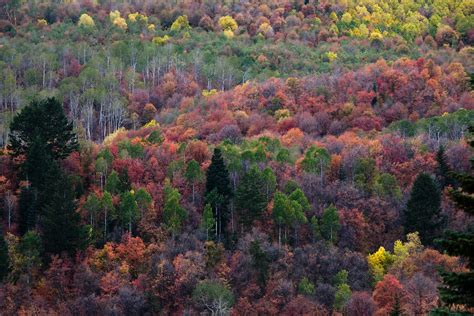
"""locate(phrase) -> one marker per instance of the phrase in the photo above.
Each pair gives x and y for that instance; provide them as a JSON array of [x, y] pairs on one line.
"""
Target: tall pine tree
[[27, 209], [218, 191], [458, 287], [250, 197], [443, 171], [61, 224], [422, 213], [44, 120], [42, 134]]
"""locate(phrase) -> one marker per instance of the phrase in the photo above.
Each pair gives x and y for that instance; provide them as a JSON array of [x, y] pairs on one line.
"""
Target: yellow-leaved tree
[[120, 23], [113, 15], [382, 260], [228, 23], [86, 20], [379, 262], [161, 40], [181, 23], [117, 20]]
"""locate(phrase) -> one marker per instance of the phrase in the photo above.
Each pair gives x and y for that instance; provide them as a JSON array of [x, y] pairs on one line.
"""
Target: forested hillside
[[236, 157]]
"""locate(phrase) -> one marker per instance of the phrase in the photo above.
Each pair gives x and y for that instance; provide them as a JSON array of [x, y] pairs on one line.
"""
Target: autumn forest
[[237, 157]]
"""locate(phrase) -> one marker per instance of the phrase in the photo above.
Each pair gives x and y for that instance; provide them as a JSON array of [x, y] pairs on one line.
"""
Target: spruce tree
[[37, 163], [458, 287], [61, 224], [218, 191], [217, 176], [4, 258], [422, 212], [27, 208], [250, 197], [443, 171], [42, 134], [260, 262], [44, 120]]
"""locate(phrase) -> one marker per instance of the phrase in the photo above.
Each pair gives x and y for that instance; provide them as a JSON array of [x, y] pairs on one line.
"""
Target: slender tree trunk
[[105, 225], [279, 235], [232, 215]]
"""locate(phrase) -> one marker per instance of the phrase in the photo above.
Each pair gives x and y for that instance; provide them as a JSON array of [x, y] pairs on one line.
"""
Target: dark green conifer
[[422, 213], [457, 289]]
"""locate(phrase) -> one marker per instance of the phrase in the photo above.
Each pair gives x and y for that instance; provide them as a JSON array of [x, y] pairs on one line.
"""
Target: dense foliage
[[236, 157]]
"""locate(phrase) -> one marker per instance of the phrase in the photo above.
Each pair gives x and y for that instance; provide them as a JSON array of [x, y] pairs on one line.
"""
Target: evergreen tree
[[42, 133], [44, 120], [330, 224], [458, 287], [443, 171], [27, 208], [62, 230], [4, 258], [422, 213], [217, 176], [250, 199], [291, 186], [37, 163], [260, 262], [218, 191]]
